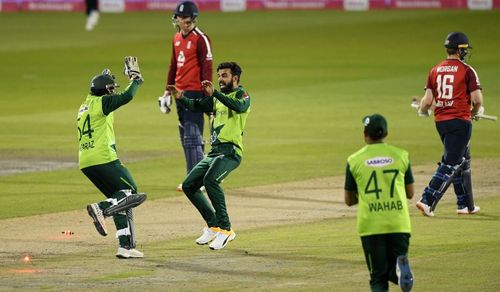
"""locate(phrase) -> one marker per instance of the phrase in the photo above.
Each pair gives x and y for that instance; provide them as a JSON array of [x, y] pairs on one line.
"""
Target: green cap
[[375, 126]]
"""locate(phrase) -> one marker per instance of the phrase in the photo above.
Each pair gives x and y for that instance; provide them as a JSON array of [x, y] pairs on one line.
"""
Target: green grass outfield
[[312, 76], [321, 256]]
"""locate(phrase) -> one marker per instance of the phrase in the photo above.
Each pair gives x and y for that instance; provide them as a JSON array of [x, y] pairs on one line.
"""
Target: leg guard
[[125, 229], [460, 190], [124, 200], [465, 186], [192, 143], [131, 227], [122, 229], [439, 183]]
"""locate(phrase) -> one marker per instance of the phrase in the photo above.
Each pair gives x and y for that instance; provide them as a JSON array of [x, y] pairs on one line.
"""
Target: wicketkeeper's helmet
[[103, 84], [458, 41], [186, 9]]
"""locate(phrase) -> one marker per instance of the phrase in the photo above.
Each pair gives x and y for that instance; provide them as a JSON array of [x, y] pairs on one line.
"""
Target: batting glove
[[477, 116], [132, 69], [424, 114], [165, 103]]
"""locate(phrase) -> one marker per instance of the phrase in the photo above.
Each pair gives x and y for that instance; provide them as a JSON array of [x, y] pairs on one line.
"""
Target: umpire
[[379, 179]]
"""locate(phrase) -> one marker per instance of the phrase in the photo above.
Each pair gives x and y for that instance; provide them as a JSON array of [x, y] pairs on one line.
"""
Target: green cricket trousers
[[209, 172], [110, 178], [381, 252]]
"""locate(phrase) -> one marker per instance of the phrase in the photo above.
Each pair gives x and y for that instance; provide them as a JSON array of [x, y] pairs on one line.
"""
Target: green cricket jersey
[[95, 126], [231, 113], [379, 173]]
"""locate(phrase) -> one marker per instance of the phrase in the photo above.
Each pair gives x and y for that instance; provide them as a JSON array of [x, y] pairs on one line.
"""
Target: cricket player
[[92, 13], [191, 63], [231, 106], [379, 179], [98, 158], [452, 85]]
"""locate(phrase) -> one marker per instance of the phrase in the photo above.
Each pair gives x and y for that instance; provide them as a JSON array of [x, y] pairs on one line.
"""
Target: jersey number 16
[[445, 86]]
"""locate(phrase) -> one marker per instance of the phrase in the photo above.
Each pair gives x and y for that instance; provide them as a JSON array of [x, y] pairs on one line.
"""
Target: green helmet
[[103, 84]]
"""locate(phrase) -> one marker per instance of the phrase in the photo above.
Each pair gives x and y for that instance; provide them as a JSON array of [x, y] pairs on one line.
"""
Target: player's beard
[[226, 87]]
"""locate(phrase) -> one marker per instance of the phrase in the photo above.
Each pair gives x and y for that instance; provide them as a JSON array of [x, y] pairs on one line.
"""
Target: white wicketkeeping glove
[[476, 116], [107, 72], [165, 103], [132, 69]]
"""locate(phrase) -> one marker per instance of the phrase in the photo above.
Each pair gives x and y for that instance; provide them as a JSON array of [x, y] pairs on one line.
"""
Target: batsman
[[454, 89], [231, 106], [98, 158]]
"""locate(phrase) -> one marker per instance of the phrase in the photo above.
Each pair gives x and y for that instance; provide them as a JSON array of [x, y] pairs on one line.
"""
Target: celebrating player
[[379, 178], [191, 62], [231, 107], [452, 85], [99, 161]]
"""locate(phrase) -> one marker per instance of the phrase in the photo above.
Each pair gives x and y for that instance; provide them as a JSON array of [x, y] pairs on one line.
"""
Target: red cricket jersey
[[451, 82], [191, 60]]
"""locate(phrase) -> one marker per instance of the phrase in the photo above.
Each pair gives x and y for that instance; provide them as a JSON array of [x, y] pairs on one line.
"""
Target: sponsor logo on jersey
[[446, 103], [83, 109], [189, 45], [220, 113], [379, 161], [177, 43]]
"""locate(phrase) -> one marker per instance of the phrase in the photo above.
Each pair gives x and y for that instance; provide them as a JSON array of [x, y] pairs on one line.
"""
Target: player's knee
[[186, 188], [466, 165], [189, 187], [210, 181], [447, 169]]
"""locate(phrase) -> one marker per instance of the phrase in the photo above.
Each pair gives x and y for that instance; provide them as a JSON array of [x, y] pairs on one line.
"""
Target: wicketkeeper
[[99, 161]]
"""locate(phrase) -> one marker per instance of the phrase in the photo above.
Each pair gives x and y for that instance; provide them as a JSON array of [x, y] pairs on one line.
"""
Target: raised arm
[[195, 105], [239, 104], [112, 102]]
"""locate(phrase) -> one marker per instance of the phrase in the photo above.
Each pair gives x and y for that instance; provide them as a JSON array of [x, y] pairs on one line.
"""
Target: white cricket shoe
[[97, 216], [465, 210], [222, 238], [425, 209], [92, 20], [124, 253], [208, 235]]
